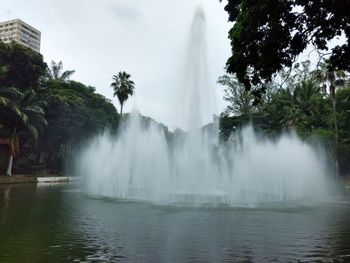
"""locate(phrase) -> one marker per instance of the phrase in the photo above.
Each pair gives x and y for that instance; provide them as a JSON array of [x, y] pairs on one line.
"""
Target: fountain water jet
[[197, 95], [141, 164]]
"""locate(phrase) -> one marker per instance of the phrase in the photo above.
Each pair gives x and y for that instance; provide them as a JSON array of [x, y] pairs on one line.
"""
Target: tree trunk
[[121, 109], [13, 151], [9, 167], [335, 123]]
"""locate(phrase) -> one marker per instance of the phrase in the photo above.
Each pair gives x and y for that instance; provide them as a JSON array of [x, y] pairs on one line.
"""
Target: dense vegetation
[[301, 103], [268, 35], [266, 38], [45, 117]]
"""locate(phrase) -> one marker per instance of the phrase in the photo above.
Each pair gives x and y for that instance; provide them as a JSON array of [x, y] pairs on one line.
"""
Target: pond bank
[[24, 179]]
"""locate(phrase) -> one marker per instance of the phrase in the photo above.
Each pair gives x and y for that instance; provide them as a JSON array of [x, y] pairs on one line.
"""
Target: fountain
[[194, 168], [197, 95]]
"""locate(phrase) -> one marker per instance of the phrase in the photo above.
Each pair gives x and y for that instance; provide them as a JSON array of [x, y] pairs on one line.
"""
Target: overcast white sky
[[146, 38]]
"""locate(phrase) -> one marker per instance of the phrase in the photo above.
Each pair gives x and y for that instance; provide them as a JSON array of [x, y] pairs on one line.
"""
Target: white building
[[22, 33]]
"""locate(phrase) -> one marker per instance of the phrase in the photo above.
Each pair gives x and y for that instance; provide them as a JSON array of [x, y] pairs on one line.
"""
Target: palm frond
[[33, 131], [122, 85], [54, 72], [66, 75], [32, 109], [10, 92]]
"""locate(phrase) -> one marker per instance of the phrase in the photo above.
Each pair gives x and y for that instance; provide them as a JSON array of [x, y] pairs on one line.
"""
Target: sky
[[146, 38]]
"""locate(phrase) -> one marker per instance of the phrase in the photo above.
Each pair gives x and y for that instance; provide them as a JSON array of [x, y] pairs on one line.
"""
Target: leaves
[[268, 35], [55, 72], [21, 67], [41, 109], [240, 100], [123, 87]]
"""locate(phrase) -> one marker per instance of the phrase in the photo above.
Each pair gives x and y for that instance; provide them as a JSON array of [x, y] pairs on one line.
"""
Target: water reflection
[[58, 224], [5, 191], [159, 234], [7, 197]]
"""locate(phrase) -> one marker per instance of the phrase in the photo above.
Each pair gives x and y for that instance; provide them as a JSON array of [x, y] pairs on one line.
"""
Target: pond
[[61, 224]]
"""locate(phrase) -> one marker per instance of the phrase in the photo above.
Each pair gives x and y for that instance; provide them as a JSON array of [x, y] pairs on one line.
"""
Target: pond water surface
[[61, 224]]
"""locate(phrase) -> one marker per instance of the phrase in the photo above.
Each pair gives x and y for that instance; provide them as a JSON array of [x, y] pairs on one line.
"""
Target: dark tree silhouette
[[268, 35], [123, 87]]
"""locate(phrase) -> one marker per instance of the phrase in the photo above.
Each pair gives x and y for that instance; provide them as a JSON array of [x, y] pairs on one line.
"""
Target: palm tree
[[22, 114], [123, 87], [334, 79], [290, 109], [303, 94], [6, 96], [55, 72]]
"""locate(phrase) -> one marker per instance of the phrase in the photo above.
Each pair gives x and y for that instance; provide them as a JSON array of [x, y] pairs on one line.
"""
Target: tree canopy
[[22, 67], [55, 72], [45, 116], [303, 107], [268, 35], [123, 87]]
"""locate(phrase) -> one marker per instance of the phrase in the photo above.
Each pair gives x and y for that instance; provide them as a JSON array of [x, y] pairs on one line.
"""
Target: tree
[[43, 114], [302, 108], [22, 68], [123, 87], [268, 35], [343, 110], [55, 72], [75, 113], [327, 76], [239, 99], [22, 115], [6, 94]]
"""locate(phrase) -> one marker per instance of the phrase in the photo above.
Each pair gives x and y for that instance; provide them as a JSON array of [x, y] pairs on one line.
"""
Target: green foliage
[[268, 35], [55, 72], [21, 111], [343, 116], [238, 98], [123, 87], [301, 109], [300, 105], [22, 118], [23, 66], [82, 114], [44, 113]]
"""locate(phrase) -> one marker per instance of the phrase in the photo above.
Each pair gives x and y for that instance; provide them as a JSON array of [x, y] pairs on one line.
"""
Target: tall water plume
[[197, 95], [143, 163]]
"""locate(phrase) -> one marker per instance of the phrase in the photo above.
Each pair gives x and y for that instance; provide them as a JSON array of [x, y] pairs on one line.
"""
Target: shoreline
[[33, 179]]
